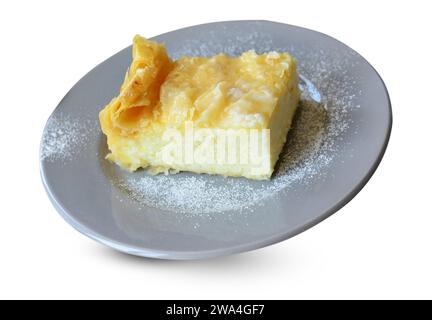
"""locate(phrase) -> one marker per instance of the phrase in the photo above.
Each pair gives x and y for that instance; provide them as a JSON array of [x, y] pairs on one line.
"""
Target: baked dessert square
[[217, 115]]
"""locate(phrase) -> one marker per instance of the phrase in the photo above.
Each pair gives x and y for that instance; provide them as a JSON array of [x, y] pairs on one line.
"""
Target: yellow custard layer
[[226, 96]]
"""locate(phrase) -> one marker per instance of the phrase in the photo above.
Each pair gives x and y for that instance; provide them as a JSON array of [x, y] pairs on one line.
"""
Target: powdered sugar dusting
[[232, 45], [313, 143], [65, 137]]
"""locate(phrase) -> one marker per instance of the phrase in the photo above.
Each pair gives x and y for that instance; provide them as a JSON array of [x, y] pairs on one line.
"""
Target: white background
[[378, 246]]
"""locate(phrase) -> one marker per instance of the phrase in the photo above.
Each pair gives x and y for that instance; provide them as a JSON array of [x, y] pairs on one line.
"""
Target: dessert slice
[[219, 115]]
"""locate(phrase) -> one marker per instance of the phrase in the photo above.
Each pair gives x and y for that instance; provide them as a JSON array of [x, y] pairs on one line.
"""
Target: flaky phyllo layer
[[162, 101]]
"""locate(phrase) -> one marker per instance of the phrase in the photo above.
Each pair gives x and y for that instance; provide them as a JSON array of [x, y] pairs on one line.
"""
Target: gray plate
[[339, 137]]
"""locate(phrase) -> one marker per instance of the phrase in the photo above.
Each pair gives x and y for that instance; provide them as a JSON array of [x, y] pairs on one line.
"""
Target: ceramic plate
[[338, 138]]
